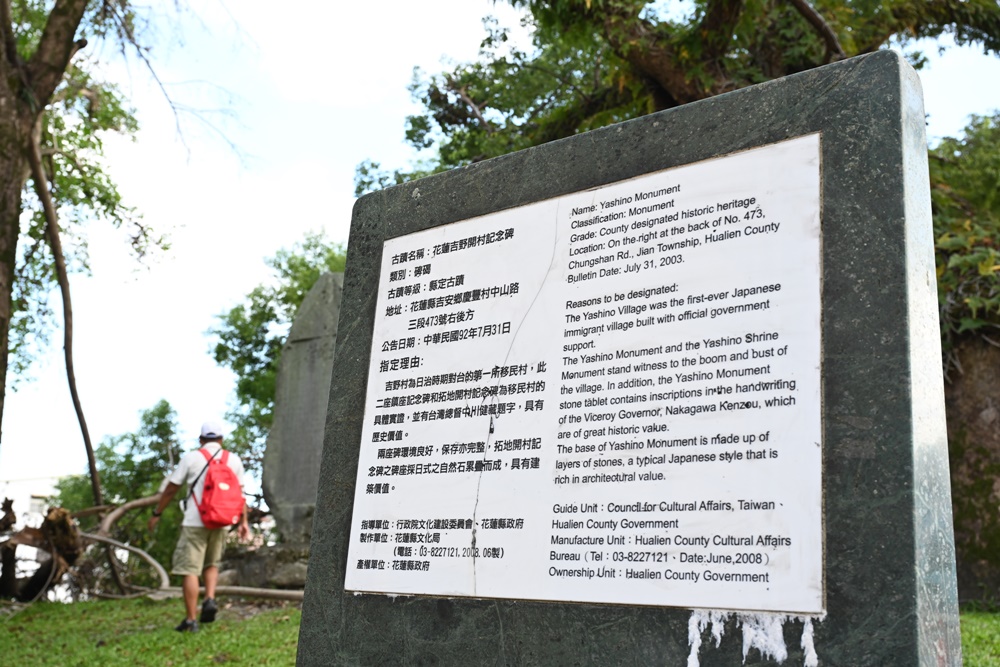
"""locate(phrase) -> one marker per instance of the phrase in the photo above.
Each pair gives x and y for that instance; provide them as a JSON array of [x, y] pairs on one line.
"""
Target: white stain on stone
[[811, 659], [716, 620], [696, 624], [762, 631]]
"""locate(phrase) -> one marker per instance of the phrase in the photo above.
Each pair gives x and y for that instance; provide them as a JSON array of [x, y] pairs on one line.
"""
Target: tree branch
[[718, 26], [635, 41], [246, 591], [48, 63], [561, 79], [91, 511], [77, 45], [52, 230], [967, 21], [464, 96], [160, 572], [8, 518], [834, 51], [49, 152], [7, 34], [112, 517], [567, 123], [63, 94]]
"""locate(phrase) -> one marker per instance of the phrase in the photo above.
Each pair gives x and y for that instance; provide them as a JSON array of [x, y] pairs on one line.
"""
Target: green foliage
[[369, 176], [965, 194], [125, 633], [511, 99], [73, 126], [133, 466], [596, 62], [116, 23], [861, 25], [251, 335], [72, 136]]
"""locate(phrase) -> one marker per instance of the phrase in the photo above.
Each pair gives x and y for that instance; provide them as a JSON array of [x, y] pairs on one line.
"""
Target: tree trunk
[[8, 559], [26, 87], [8, 571], [10, 211], [13, 165]]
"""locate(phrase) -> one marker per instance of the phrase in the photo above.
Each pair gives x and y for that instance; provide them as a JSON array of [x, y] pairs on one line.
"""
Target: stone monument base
[[279, 566]]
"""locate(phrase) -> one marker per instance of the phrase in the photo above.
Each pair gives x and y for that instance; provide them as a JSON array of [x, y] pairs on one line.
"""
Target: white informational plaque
[[612, 396]]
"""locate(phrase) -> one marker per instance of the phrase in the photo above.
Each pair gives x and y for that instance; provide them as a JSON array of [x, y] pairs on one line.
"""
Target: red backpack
[[222, 499]]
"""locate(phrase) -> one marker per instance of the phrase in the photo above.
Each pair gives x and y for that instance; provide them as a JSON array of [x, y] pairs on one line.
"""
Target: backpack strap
[[204, 452]]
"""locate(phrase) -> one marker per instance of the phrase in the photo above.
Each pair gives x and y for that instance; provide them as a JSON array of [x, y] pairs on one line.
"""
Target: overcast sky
[[316, 88]]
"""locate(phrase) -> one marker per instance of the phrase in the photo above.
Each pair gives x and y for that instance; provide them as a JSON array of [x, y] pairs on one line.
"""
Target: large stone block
[[295, 442], [889, 553]]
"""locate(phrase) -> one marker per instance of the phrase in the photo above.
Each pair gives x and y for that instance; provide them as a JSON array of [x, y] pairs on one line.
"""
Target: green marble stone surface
[[889, 553]]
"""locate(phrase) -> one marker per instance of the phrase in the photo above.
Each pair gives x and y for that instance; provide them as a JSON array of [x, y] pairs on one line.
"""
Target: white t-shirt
[[189, 468]]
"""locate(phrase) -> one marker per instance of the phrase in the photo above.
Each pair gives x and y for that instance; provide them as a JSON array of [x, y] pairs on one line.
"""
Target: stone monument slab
[[463, 490], [295, 442]]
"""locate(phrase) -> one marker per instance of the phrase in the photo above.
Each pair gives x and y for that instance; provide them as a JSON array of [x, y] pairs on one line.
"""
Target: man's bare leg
[[211, 575], [209, 607], [190, 588]]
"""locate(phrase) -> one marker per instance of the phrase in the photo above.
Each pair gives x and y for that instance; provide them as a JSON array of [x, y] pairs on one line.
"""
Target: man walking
[[199, 549]]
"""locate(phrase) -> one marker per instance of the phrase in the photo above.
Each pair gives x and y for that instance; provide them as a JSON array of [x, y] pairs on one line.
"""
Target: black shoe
[[208, 610], [187, 626]]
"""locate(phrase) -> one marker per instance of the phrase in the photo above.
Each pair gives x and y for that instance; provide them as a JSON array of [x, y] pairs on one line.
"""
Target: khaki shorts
[[197, 549]]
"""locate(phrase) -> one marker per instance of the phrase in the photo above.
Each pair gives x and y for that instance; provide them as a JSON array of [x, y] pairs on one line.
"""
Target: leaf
[[970, 324], [987, 267]]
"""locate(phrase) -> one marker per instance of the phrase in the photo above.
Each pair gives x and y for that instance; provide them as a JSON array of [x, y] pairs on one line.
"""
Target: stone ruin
[[295, 442]]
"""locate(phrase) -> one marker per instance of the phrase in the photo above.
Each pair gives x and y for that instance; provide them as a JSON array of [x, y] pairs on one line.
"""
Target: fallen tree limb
[[43, 578], [59, 537], [8, 519], [127, 596], [112, 517], [29, 537], [35, 537], [245, 591], [160, 571], [90, 511]]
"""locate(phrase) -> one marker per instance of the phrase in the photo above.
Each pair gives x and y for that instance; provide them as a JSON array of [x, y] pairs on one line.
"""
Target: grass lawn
[[140, 632], [981, 639]]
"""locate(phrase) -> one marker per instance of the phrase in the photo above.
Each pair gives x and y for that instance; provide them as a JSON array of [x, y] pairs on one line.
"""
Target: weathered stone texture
[[889, 564], [295, 442]]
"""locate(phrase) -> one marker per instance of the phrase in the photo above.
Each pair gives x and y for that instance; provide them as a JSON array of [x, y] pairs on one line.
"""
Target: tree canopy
[[250, 336], [596, 62], [965, 195], [52, 103]]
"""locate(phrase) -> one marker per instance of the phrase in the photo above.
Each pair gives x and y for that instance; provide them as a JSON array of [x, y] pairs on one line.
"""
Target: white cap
[[211, 430]]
